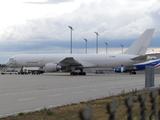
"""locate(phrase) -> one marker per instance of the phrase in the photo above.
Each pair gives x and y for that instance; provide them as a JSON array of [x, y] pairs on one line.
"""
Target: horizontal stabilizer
[[142, 57]]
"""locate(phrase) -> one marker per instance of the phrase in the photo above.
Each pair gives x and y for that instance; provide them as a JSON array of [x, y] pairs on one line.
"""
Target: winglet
[[139, 47]]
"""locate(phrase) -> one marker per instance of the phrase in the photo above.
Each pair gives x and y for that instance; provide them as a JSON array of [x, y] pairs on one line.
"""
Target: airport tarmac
[[25, 93]]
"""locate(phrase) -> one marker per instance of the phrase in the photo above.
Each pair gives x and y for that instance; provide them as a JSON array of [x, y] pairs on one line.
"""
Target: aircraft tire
[[80, 73], [84, 73], [73, 73], [133, 72]]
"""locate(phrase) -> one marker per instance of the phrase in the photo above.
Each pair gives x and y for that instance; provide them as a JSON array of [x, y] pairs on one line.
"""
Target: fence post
[[153, 105], [141, 99], [111, 111], [149, 76], [88, 115], [129, 105]]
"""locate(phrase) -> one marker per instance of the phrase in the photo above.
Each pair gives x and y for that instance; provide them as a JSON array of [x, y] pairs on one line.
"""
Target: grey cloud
[[52, 35], [100, 17], [155, 14], [50, 2], [86, 20], [48, 32]]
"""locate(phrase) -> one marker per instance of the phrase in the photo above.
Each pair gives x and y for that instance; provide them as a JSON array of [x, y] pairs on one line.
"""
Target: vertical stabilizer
[[139, 47]]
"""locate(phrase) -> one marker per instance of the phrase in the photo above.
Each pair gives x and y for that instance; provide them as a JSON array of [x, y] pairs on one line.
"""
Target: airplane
[[72, 62], [140, 66]]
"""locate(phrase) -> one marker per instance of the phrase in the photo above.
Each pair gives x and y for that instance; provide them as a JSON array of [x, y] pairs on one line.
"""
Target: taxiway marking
[[26, 99]]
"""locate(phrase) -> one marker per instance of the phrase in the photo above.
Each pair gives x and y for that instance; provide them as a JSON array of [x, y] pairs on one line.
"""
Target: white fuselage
[[90, 60]]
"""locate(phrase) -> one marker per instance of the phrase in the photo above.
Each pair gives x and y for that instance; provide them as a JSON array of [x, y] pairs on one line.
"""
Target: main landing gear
[[76, 73], [132, 72]]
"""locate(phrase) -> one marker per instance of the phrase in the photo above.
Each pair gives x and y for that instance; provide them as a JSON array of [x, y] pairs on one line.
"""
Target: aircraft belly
[[113, 63]]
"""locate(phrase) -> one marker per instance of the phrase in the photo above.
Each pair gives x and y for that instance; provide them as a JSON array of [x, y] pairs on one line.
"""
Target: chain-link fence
[[111, 108]]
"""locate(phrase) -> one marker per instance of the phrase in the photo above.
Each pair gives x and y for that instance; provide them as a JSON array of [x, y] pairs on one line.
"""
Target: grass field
[[99, 112]]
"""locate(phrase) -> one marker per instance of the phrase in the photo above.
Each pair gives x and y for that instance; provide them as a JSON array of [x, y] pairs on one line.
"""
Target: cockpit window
[[11, 59]]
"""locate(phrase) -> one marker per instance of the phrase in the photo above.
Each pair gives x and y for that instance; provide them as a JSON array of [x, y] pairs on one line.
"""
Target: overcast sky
[[41, 26]]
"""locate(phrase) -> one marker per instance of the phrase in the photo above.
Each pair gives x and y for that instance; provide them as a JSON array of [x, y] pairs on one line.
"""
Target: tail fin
[[139, 47]]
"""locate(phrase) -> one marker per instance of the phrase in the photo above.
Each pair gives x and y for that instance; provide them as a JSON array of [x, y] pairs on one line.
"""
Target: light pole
[[106, 47], [96, 42], [122, 48], [71, 39], [86, 44]]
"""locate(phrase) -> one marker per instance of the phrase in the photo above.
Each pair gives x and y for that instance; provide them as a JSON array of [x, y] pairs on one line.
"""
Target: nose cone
[[7, 62]]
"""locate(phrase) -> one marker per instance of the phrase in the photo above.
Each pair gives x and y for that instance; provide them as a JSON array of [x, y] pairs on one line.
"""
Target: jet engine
[[50, 67], [119, 69]]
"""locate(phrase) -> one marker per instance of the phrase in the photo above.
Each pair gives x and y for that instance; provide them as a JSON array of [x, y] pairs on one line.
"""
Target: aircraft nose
[[11, 61], [7, 62]]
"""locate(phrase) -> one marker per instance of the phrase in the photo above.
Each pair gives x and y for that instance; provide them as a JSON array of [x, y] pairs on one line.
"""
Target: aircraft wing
[[87, 64], [70, 61]]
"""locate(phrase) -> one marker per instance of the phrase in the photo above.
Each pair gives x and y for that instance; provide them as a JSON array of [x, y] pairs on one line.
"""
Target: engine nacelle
[[50, 67], [119, 69]]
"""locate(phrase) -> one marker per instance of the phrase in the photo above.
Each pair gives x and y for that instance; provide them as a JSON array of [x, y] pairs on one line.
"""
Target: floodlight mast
[[71, 39], [86, 44], [96, 41], [106, 46], [122, 48]]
